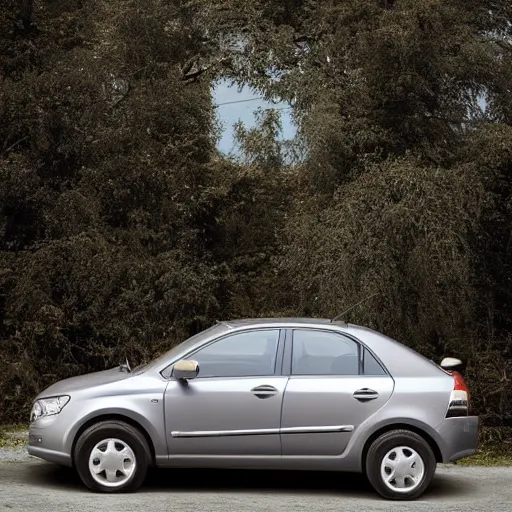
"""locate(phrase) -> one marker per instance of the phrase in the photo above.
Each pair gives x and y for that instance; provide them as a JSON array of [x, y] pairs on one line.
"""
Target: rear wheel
[[400, 465], [112, 456]]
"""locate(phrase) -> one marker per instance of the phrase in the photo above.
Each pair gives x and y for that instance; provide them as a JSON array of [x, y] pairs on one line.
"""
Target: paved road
[[32, 485]]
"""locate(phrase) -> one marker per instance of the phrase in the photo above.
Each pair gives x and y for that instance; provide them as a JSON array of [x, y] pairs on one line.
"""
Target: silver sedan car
[[285, 394]]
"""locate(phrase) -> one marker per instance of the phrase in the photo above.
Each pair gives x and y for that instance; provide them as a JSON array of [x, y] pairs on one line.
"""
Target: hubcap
[[112, 462], [402, 469]]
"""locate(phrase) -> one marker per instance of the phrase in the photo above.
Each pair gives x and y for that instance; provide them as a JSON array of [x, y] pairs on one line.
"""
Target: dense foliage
[[124, 231]]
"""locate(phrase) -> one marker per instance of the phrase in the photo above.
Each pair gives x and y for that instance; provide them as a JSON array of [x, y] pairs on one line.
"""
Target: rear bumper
[[458, 437]]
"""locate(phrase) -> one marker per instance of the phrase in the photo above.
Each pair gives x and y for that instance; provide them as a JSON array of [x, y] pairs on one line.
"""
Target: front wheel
[[112, 456], [400, 465]]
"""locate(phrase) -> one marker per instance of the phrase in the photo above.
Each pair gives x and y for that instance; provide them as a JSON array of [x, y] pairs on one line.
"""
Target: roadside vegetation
[[13, 436], [495, 448], [123, 230]]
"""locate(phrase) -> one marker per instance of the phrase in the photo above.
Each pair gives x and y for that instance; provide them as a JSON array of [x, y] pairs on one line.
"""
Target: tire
[[124, 453], [404, 447]]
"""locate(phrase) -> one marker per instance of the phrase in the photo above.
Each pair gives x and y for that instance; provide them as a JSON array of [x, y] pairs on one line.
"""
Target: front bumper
[[50, 455], [46, 441], [458, 437]]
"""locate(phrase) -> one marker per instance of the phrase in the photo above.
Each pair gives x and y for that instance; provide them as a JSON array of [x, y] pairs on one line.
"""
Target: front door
[[335, 385], [233, 407]]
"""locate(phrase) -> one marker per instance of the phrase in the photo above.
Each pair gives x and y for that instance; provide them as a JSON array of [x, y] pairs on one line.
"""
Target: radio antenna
[[337, 317]]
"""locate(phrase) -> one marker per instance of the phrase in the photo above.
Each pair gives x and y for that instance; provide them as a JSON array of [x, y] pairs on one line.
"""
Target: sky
[[230, 114]]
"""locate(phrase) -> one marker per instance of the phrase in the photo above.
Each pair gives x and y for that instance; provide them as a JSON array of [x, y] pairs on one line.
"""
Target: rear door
[[335, 384]]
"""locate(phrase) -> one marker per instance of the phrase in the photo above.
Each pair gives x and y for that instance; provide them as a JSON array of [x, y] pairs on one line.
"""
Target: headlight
[[48, 406]]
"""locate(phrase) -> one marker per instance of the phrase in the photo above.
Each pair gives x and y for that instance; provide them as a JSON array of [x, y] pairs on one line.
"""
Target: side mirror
[[185, 369], [450, 363]]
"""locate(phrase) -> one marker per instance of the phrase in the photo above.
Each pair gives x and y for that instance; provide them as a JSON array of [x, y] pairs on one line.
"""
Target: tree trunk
[[27, 8]]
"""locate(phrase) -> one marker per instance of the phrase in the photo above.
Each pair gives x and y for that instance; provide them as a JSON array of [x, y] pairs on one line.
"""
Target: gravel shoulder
[[13, 445]]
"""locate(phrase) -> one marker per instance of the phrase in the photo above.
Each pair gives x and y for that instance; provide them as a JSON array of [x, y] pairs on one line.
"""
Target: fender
[[157, 443], [359, 441]]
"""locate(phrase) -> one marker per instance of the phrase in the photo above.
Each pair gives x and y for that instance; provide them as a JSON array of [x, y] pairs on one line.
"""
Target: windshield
[[169, 356]]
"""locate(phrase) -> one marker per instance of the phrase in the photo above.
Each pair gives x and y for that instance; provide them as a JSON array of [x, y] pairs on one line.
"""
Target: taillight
[[459, 398]]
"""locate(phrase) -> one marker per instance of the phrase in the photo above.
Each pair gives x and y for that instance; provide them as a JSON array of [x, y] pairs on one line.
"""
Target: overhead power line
[[238, 101], [250, 99]]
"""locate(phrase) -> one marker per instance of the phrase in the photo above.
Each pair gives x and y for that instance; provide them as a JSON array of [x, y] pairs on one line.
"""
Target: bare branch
[[191, 75], [12, 146]]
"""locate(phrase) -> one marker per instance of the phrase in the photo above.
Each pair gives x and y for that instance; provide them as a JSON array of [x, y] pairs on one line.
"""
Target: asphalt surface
[[30, 485]]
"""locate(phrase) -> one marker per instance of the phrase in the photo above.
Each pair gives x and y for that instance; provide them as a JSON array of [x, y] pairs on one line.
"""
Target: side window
[[244, 354], [370, 365], [323, 353]]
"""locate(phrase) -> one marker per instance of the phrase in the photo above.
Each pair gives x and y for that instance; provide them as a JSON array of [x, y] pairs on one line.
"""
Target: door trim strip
[[317, 430], [264, 431], [223, 433]]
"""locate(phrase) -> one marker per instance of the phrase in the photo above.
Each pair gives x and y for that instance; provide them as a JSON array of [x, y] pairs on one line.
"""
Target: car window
[[239, 355], [173, 354], [370, 365], [324, 353]]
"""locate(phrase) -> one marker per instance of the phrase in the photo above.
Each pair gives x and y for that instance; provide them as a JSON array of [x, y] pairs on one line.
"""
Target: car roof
[[252, 322]]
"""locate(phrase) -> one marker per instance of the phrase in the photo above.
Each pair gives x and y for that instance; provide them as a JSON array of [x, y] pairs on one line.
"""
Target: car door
[[335, 384], [233, 406]]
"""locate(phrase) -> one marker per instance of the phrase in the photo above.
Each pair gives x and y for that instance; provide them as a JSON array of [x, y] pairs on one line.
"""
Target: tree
[[105, 178], [124, 230], [404, 108]]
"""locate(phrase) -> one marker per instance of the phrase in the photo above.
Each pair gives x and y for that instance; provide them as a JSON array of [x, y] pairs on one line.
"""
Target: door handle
[[365, 394], [264, 391]]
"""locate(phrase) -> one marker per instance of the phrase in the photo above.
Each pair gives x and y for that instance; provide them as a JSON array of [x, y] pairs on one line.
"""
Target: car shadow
[[243, 481]]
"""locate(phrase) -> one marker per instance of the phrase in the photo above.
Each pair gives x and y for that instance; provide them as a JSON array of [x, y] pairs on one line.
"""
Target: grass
[[11, 436], [487, 458], [495, 445], [495, 448]]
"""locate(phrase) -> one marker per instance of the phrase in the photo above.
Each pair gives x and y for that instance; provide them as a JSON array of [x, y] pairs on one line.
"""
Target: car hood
[[84, 381]]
